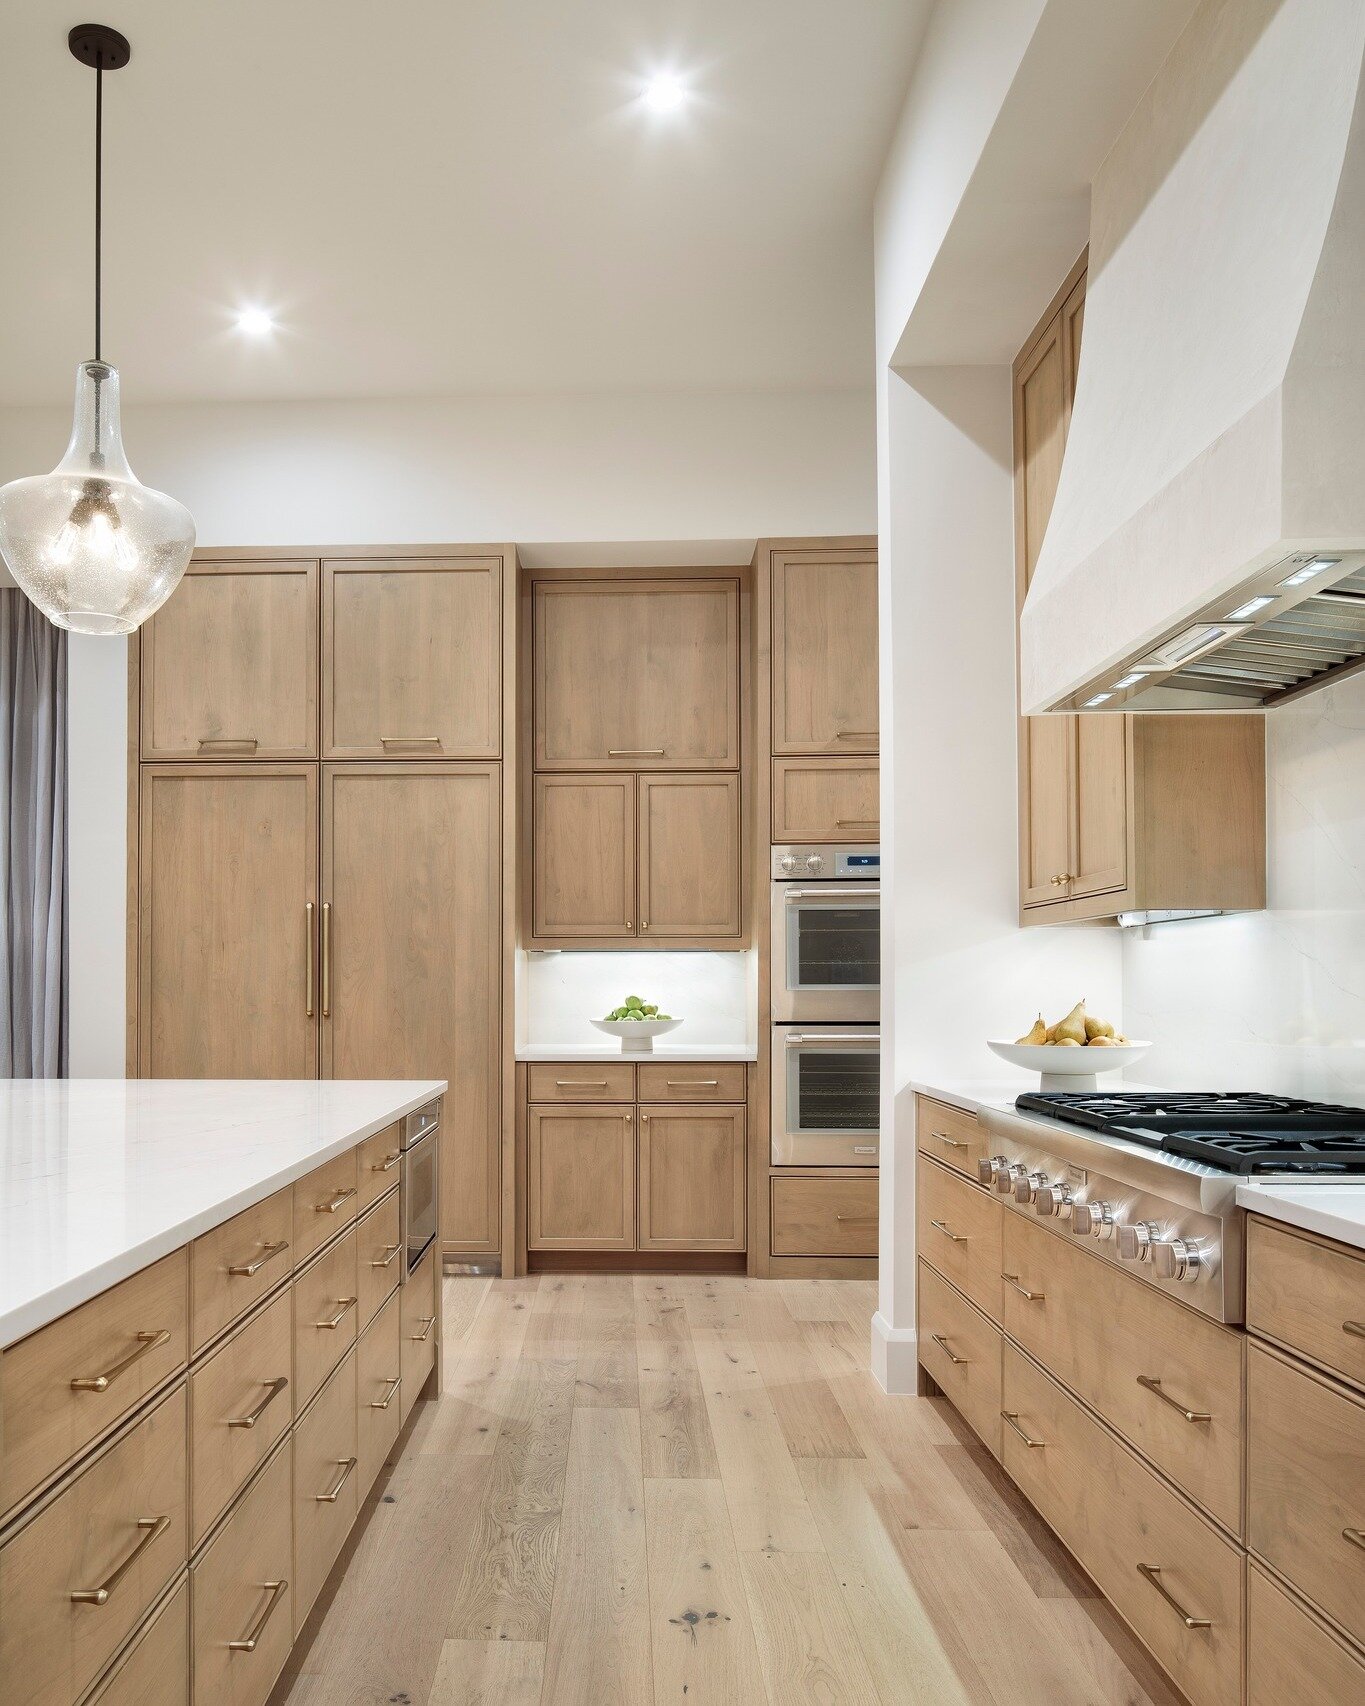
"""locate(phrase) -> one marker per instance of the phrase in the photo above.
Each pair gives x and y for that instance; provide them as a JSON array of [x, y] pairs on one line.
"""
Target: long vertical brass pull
[[308, 958], [326, 959]]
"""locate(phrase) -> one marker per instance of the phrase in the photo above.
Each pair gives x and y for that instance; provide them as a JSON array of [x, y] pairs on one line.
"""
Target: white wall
[[608, 467]]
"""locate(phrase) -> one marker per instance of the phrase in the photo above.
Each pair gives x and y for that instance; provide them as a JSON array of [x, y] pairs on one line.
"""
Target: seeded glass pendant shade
[[95, 549]]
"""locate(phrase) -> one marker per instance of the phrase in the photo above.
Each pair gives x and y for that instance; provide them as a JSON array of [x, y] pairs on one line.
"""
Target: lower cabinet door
[[155, 1670], [691, 1178], [242, 1597], [581, 1178], [1291, 1656], [960, 1349], [325, 1462], [378, 1383], [417, 1325]]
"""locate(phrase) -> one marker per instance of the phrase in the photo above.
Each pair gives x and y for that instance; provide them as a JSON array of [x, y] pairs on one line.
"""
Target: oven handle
[[801, 1040], [831, 891]]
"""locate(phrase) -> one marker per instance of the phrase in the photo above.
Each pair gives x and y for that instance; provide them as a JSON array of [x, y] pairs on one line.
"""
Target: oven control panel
[[827, 862]]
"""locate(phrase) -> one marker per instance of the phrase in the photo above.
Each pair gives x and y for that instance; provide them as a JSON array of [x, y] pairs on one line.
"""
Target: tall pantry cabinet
[[320, 831]]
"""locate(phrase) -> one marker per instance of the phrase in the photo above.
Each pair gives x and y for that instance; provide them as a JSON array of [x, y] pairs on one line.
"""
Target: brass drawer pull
[[1152, 1573], [422, 1337], [409, 740], [384, 1402], [856, 822], [387, 1259], [334, 1203], [635, 752], [1012, 1417], [146, 1343], [1152, 1384], [947, 1231], [333, 1493], [343, 1304], [1355, 1535], [388, 1164], [580, 1084], [308, 910], [248, 1643], [1355, 1328], [856, 734], [1012, 1280], [229, 743], [867, 1220], [956, 1142], [151, 1527], [692, 1083], [275, 1387], [942, 1344], [244, 1270]]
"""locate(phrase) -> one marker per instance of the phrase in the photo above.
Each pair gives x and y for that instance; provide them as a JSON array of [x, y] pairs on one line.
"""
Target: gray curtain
[[33, 957]]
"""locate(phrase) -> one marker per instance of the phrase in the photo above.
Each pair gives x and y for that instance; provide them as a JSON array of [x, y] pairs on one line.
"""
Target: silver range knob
[[1177, 1258], [1027, 1185], [1093, 1220], [1008, 1177], [1135, 1240], [989, 1169], [1054, 1199], [787, 863], [815, 863]]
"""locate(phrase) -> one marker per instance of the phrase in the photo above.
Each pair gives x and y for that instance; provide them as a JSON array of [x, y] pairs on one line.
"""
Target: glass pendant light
[[95, 549]]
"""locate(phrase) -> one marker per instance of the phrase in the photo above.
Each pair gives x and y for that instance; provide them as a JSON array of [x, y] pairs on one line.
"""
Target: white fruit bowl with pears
[[1072, 1052]]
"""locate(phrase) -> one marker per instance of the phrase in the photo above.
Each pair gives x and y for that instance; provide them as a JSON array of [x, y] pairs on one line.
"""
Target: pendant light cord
[[99, 195]]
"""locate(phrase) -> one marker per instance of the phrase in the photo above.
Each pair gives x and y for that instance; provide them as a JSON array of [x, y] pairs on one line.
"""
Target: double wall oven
[[826, 991]]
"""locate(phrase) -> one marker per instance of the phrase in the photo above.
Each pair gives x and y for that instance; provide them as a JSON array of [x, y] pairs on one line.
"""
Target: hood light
[[1184, 647], [1096, 699], [1319, 566], [1130, 680], [1244, 612]]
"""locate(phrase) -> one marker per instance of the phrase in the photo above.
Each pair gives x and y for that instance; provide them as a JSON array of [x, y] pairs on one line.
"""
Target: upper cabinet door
[[412, 658], [690, 859], [229, 664], [825, 652], [227, 975], [583, 858], [637, 675]]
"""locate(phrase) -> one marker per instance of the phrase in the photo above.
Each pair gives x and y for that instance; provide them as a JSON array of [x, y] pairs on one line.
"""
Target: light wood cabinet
[[636, 673], [823, 1216], [581, 1081], [325, 1305], [230, 664], [419, 1340], [324, 1201], [325, 1493], [959, 1230], [228, 861], [581, 1178], [583, 857], [411, 658], [155, 1670], [824, 651], [236, 1264], [378, 1396], [950, 1135], [1307, 1295], [961, 1349], [241, 1403], [825, 799], [687, 1081], [379, 1257], [689, 857], [412, 958], [692, 1163], [378, 1160], [1291, 1655]]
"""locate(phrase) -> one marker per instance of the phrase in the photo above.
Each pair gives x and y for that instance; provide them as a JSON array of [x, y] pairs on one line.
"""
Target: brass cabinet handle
[[856, 734], [308, 910], [1152, 1573], [248, 1642], [326, 959], [1355, 1535], [384, 1402], [244, 1270], [856, 822], [387, 1260], [1063, 877], [146, 1342], [388, 1164], [1012, 1280], [953, 1142], [333, 1493], [229, 743], [1012, 1417], [343, 1304], [942, 1344], [422, 1337], [334, 1203], [409, 740], [692, 1083], [947, 1231], [635, 752], [580, 1084], [1355, 1328], [869, 1219], [151, 1527], [1152, 1384], [274, 1388]]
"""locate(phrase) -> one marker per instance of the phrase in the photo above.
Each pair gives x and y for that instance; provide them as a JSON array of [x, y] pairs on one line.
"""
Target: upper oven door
[[827, 961], [826, 1097]]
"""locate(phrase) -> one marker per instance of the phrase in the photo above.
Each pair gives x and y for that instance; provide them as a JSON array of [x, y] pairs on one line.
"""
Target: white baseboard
[[894, 1362]]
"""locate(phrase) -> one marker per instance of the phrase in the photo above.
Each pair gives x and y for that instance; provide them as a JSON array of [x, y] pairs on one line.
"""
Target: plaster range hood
[[1206, 549]]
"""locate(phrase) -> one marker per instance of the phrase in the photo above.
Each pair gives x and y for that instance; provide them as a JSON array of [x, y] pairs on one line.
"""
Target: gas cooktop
[[1239, 1131]]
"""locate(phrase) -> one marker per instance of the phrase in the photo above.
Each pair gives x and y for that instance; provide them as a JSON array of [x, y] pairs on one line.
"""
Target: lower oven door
[[826, 1096], [419, 1187], [826, 951]]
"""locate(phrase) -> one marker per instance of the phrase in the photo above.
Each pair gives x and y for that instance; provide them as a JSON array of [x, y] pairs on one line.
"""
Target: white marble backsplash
[[714, 994], [1274, 1000]]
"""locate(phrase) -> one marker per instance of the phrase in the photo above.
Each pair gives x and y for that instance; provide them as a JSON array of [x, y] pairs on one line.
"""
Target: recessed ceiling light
[[255, 322], [665, 92]]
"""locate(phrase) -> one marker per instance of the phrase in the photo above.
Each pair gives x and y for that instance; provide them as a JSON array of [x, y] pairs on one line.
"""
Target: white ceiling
[[441, 196]]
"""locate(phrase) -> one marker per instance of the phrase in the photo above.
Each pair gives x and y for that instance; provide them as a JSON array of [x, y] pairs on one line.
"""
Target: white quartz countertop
[[1335, 1210], [612, 1051], [101, 1176]]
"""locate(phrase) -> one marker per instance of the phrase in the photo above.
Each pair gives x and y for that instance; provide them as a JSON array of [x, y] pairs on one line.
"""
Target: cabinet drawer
[[155, 1670], [325, 1200], [326, 1297], [824, 1217], [417, 1312], [959, 1233], [581, 1081], [961, 1350], [949, 1135], [379, 1257], [89, 1538], [1291, 1656], [1109, 1337], [325, 1492], [235, 1265], [241, 1592], [825, 799], [378, 1160], [1308, 1295], [1116, 1515], [378, 1372], [240, 1404], [1306, 1485], [132, 1337], [685, 1082]]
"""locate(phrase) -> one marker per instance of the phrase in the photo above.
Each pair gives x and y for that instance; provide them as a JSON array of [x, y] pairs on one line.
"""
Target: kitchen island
[[215, 1320]]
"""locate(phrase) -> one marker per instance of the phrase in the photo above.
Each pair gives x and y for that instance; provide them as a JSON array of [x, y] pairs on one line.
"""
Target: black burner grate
[[1272, 1152], [1191, 1110]]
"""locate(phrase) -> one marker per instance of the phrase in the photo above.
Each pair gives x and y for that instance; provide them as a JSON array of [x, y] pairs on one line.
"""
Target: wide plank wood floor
[[659, 1491]]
